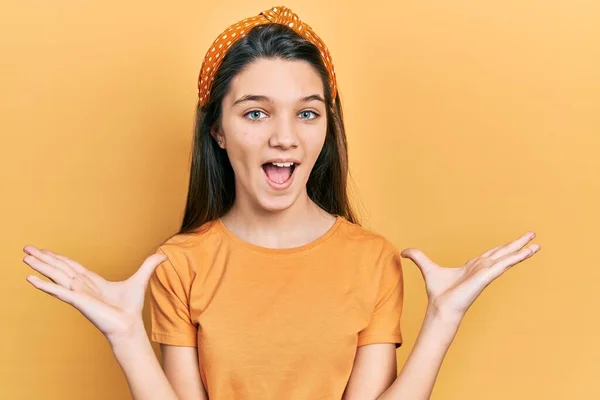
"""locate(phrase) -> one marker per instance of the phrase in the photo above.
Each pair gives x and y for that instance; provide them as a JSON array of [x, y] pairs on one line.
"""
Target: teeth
[[288, 164]]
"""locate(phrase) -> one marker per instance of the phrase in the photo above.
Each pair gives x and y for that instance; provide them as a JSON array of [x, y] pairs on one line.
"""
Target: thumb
[[143, 274], [419, 258]]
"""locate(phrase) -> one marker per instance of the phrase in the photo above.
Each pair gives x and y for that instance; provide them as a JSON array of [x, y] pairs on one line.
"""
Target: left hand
[[451, 291]]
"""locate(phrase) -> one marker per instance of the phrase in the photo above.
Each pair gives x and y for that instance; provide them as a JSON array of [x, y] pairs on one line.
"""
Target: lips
[[279, 175]]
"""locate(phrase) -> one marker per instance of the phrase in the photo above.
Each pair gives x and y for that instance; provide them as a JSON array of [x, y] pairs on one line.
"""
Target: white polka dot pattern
[[279, 15]]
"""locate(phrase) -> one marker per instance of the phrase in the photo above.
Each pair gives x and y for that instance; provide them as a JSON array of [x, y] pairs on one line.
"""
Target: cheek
[[243, 148], [313, 143]]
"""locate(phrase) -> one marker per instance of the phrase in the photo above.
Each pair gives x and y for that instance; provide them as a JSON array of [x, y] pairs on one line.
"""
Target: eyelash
[[317, 115]]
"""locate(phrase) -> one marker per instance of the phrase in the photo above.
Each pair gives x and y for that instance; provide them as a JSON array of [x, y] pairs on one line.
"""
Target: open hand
[[453, 290], [113, 307]]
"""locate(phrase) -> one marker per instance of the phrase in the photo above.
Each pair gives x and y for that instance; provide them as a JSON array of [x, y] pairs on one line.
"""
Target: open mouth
[[279, 173]]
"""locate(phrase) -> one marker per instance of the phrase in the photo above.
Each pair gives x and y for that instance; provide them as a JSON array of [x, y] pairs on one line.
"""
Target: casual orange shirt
[[277, 323]]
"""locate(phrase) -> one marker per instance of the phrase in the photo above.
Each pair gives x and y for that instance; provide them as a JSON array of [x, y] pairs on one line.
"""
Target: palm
[[113, 307], [453, 290]]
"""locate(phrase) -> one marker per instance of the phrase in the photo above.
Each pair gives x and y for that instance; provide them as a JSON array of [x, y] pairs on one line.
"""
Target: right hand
[[115, 308]]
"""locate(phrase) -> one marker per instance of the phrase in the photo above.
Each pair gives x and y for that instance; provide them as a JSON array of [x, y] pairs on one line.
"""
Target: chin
[[276, 203]]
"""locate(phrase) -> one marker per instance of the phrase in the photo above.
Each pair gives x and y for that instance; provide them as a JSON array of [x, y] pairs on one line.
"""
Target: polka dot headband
[[220, 47]]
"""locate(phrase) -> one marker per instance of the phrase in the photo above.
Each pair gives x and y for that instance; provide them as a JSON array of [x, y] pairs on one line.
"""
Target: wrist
[[444, 319], [134, 333]]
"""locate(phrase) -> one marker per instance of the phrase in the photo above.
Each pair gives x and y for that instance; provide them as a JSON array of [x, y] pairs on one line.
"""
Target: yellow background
[[469, 123]]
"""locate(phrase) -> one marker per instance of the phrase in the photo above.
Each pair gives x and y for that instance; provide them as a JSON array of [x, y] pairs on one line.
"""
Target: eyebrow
[[258, 97]]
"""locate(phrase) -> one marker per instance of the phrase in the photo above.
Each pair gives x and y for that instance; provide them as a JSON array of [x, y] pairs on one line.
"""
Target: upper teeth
[[286, 164]]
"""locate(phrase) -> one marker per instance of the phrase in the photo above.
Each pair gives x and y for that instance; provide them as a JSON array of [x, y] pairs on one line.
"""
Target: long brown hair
[[211, 191]]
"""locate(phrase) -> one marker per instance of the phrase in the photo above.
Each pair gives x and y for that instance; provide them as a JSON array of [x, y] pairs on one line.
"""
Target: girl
[[271, 289]]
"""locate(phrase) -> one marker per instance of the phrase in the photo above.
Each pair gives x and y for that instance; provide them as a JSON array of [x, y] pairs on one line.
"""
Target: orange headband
[[278, 15]]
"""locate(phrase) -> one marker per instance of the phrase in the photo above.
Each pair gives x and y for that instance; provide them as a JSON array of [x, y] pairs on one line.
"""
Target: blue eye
[[304, 113], [254, 115]]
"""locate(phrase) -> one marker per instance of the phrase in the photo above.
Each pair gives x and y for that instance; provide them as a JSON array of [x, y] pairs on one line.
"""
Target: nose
[[284, 135]]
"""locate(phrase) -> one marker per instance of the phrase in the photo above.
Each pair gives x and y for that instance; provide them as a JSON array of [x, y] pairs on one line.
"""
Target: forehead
[[279, 79]]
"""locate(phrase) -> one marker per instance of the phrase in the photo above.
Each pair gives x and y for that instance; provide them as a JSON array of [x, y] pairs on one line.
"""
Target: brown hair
[[211, 191]]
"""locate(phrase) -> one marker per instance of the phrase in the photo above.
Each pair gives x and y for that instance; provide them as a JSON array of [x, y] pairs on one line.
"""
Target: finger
[[419, 258], [49, 259], [512, 259], [55, 274], [78, 300], [80, 269], [512, 246], [73, 264], [58, 263], [144, 273], [53, 289], [489, 252], [71, 268]]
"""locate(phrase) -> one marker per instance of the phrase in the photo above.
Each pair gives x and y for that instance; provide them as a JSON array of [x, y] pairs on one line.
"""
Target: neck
[[299, 224]]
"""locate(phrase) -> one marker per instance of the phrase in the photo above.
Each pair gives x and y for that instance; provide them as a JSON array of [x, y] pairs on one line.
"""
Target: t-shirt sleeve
[[384, 326], [170, 316]]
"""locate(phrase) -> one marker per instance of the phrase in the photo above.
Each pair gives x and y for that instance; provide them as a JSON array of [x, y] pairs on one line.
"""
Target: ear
[[217, 134]]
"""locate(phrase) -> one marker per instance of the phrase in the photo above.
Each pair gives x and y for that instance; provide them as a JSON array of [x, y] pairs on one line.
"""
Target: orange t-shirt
[[277, 323]]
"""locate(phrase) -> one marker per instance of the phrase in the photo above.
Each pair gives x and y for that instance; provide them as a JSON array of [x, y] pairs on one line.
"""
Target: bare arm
[[418, 375], [182, 368], [143, 372], [374, 371], [451, 291], [115, 309], [180, 379]]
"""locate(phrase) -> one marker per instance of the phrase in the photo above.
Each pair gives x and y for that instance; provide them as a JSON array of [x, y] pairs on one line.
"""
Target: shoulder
[[192, 237], [376, 259], [366, 240], [186, 250], [192, 240]]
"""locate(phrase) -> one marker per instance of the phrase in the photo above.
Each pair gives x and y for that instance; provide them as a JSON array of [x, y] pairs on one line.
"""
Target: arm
[[420, 371], [115, 309], [451, 291], [374, 368], [147, 381], [182, 368], [145, 378]]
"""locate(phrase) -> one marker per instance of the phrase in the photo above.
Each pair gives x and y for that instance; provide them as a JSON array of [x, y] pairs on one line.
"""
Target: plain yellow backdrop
[[469, 123]]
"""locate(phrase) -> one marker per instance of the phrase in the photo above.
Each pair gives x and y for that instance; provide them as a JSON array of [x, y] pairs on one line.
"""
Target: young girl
[[271, 289]]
